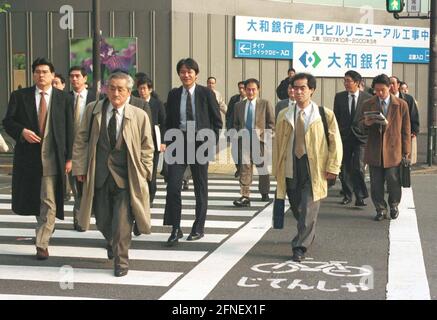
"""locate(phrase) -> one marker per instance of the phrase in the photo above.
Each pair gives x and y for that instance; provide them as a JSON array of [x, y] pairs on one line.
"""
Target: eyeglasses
[[300, 88], [42, 72]]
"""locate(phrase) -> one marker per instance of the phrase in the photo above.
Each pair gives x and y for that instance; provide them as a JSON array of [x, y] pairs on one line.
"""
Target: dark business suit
[[27, 169], [413, 111], [206, 116], [352, 177], [158, 116], [76, 186]]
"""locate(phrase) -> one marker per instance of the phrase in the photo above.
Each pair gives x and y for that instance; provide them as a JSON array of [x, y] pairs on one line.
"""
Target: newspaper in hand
[[375, 117]]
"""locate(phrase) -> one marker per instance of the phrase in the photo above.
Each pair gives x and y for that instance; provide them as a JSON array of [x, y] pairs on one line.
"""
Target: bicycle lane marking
[[207, 274], [407, 278]]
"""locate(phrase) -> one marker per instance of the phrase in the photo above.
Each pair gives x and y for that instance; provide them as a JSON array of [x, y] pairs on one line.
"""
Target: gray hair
[[122, 75]]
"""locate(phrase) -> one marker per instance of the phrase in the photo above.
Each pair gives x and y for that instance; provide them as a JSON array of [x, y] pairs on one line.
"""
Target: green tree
[[4, 7]]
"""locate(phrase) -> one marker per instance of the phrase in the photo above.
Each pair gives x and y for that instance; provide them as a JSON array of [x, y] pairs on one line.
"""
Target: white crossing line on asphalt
[[213, 188], [100, 253], [215, 194], [407, 279], [207, 274], [222, 181], [191, 212], [155, 222], [34, 297], [223, 203], [97, 235], [80, 275]]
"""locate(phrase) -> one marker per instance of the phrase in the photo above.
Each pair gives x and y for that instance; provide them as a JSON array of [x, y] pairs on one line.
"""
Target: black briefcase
[[278, 214], [405, 173]]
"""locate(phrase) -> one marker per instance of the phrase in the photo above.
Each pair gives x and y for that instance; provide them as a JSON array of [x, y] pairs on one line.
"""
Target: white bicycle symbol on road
[[333, 268]]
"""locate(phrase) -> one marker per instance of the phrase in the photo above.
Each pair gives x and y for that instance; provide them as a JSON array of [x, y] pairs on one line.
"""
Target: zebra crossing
[[78, 267]]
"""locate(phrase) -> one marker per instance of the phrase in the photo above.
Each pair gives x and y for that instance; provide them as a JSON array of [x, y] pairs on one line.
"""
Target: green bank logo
[[306, 59]]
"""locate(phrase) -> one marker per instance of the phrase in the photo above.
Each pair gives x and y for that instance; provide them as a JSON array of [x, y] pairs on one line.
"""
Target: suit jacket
[[27, 167], [282, 89], [91, 96], [348, 130], [281, 105], [391, 141], [231, 109], [264, 117], [207, 111], [158, 119], [413, 111]]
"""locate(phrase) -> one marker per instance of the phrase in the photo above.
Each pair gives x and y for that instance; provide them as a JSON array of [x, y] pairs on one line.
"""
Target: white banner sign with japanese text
[[333, 60]]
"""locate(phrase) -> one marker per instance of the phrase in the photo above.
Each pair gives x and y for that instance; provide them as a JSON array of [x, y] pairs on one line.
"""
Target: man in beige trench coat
[[113, 157]]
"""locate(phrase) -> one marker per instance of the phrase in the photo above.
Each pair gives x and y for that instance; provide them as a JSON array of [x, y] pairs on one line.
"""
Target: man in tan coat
[[113, 157], [303, 160]]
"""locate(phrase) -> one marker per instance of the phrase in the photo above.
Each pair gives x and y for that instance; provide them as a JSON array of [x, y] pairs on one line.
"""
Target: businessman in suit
[[157, 114], [346, 105], [253, 114], [82, 97], [281, 105], [388, 142], [230, 117], [40, 120], [191, 104]]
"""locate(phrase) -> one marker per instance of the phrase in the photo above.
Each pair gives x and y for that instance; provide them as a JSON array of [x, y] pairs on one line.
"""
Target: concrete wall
[[205, 31]]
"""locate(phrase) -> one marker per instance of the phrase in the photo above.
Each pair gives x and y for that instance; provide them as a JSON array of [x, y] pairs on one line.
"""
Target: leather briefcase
[[278, 214], [405, 173]]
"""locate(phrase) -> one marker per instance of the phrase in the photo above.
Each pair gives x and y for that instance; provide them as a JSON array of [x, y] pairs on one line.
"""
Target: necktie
[[299, 140], [353, 108], [112, 129], [384, 107], [249, 118], [77, 112], [42, 117], [189, 107]]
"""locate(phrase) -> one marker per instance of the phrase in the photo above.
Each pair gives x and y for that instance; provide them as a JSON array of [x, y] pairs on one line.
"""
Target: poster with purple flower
[[115, 53]]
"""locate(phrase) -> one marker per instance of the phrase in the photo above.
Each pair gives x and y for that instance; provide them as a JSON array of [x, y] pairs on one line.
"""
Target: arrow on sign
[[243, 48], [303, 59]]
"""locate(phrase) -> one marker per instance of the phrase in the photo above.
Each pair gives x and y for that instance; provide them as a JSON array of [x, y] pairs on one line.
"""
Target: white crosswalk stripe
[[79, 249]]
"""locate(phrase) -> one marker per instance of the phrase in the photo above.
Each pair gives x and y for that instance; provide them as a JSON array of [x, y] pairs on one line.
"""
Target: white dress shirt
[[47, 97], [83, 95], [183, 107], [119, 118]]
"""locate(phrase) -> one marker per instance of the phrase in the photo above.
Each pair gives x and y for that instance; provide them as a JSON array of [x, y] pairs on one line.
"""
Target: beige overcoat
[[137, 135]]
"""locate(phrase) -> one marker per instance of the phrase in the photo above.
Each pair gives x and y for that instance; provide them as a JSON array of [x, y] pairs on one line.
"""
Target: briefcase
[[278, 214], [405, 173]]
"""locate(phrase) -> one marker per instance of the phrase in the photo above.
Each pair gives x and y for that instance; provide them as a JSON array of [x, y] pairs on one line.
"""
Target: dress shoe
[[346, 200], [265, 197], [242, 202], [120, 272], [195, 236], [237, 174], [380, 215], [394, 212], [175, 235], [185, 185], [109, 252], [136, 231], [298, 255], [78, 228], [42, 254], [360, 203]]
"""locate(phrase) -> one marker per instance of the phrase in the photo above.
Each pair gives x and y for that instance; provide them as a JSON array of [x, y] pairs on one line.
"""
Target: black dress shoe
[[242, 202], [175, 235], [360, 203], [346, 200], [394, 212], [298, 255], [195, 236], [265, 197], [109, 252], [121, 272], [380, 215], [237, 174], [136, 231]]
